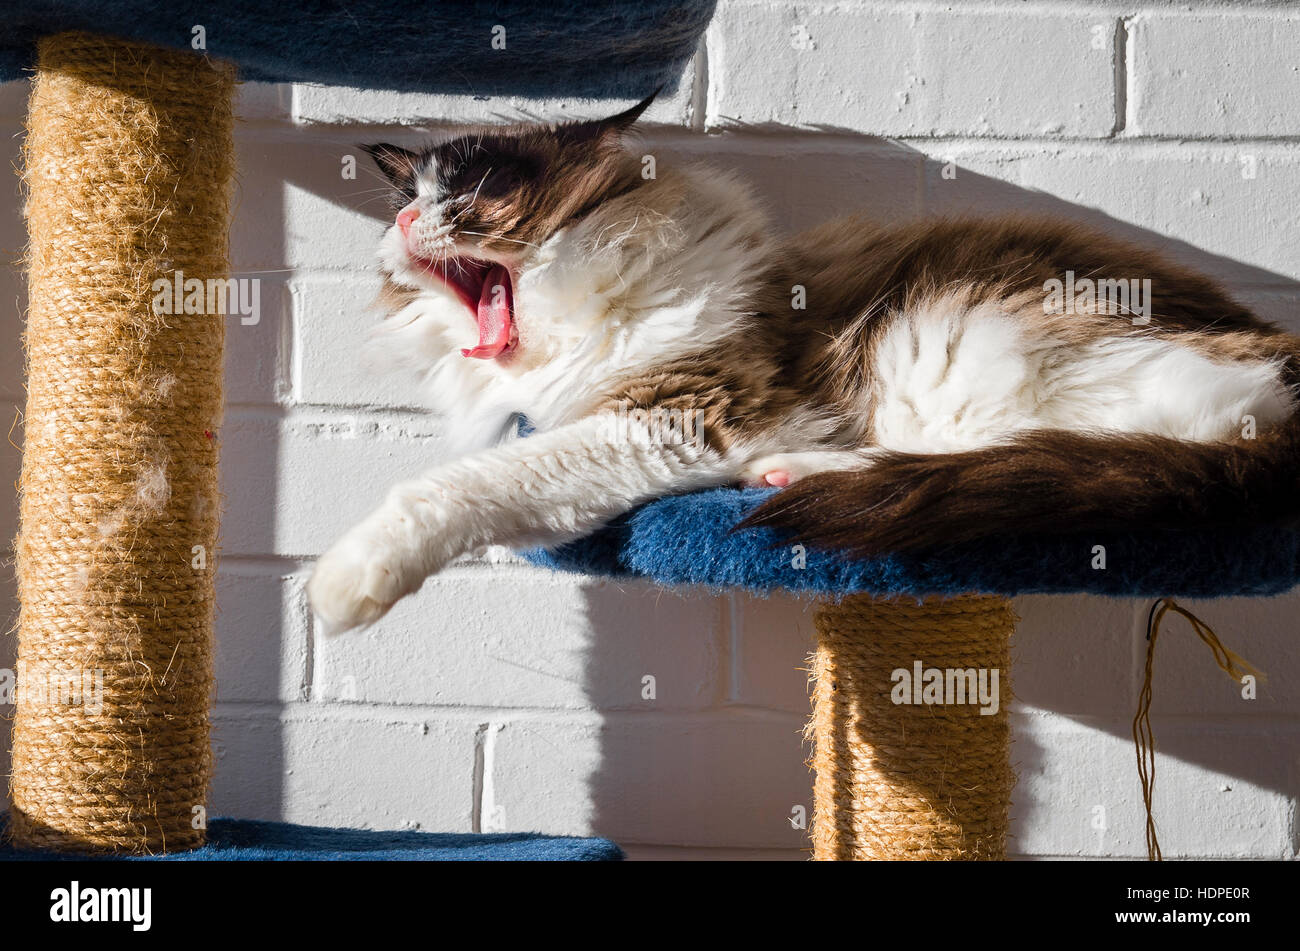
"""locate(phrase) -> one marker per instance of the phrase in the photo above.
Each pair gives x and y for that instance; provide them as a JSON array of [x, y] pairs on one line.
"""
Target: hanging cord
[[1234, 666]]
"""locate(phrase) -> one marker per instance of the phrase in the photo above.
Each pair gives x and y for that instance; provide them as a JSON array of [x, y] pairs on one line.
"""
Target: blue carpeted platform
[[248, 840], [564, 47], [686, 540]]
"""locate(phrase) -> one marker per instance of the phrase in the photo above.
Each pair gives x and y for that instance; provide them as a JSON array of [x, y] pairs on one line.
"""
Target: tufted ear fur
[[399, 165], [612, 127]]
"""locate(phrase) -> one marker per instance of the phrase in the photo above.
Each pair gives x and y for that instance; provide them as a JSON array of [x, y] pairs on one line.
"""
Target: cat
[[908, 385]]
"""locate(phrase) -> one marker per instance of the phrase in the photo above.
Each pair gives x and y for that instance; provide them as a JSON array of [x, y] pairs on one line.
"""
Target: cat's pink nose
[[405, 218]]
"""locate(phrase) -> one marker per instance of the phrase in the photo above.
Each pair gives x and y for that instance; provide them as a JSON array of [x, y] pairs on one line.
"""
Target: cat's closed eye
[[500, 182], [494, 179]]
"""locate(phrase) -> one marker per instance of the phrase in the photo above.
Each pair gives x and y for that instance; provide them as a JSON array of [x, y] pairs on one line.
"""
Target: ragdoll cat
[[909, 384]]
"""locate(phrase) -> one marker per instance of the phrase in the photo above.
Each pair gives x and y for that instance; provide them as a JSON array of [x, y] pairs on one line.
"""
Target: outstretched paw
[[355, 583]]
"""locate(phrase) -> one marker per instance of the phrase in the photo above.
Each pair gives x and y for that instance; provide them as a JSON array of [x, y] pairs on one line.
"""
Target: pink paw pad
[[777, 477]]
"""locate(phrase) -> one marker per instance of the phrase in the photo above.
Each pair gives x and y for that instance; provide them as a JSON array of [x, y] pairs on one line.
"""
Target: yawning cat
[[914, 384]]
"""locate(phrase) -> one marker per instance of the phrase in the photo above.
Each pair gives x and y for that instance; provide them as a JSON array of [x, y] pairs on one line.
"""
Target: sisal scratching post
[[895, 780], [128, 165]]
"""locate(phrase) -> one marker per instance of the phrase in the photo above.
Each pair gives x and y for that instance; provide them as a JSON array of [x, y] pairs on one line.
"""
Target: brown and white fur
[[923, 394]]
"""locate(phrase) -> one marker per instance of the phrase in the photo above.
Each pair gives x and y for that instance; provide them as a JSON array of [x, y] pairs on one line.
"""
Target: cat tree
[[127, 169], [128, 165]]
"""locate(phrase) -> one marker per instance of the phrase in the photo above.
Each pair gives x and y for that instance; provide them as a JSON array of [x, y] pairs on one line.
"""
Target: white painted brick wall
[[911, 69], [503, 697], [1218, 72]]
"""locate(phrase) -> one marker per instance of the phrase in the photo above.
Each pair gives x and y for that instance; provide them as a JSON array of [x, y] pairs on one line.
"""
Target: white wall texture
[[503, 697]]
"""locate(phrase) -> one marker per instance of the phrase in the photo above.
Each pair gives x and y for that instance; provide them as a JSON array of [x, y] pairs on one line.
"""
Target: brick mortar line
[[308, 132], [1044, 722], [1174, 8], [479, 776], [412, 714], [476, 570], [700, 85], [1122, 141], [791, 134], [1122, 78], [262, 565], [596, 717], [267, 565], [786, 136]]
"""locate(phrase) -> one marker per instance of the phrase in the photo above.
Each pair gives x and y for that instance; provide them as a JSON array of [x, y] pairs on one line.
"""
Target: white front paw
[[356, 581]]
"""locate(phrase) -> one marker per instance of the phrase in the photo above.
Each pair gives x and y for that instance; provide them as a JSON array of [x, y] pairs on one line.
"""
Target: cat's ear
[[399, 165], [623, 121], [612, 128]]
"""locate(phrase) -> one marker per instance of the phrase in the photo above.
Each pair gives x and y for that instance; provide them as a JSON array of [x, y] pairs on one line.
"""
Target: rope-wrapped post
[[909, 729], [128, 165]]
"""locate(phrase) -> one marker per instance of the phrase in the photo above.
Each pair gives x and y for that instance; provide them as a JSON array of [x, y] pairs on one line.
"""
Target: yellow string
[[1231, 664]]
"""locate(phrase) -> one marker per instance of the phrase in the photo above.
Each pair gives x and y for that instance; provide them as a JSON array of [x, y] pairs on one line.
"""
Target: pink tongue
[[495, 304]]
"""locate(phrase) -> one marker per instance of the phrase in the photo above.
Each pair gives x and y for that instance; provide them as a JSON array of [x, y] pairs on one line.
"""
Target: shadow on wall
[[713, 766], [254, 596], [685, 755]]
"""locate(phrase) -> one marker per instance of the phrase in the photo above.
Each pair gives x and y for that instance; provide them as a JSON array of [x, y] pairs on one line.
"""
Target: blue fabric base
[[685, 540], [561, 47], [250, 840]]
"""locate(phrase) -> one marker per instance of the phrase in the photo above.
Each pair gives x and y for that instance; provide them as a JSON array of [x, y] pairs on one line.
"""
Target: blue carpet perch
[[687, 539], [245, 840], [562, 48]]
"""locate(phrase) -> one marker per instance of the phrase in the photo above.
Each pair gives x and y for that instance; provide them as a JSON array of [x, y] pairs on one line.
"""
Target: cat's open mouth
[[485, 288]]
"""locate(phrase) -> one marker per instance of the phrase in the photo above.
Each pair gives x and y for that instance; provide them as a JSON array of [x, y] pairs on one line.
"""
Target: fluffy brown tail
[[1045, 482]]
